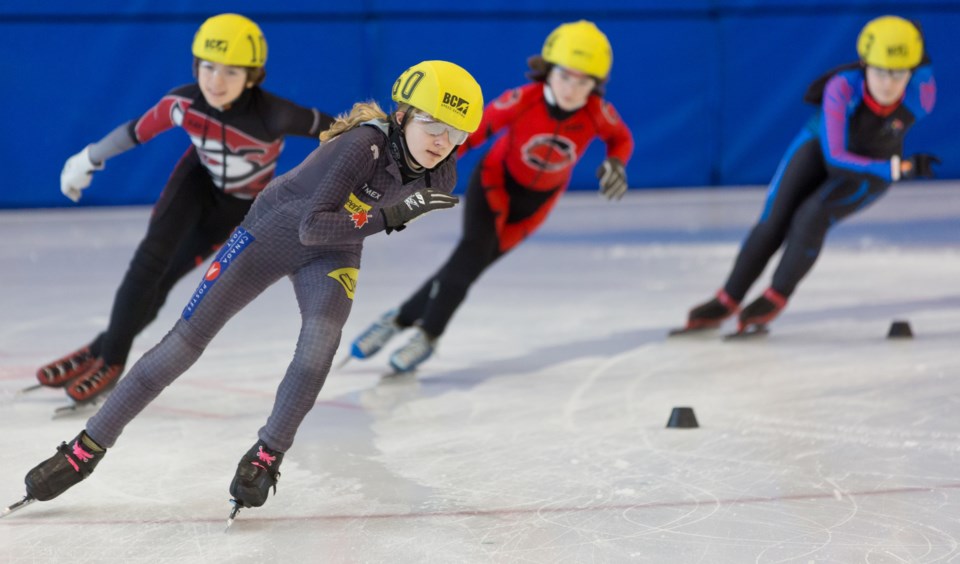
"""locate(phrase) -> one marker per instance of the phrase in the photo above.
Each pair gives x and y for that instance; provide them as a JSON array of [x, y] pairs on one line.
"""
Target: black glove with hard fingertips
[[415, 205], [613, 179], [918, 166]]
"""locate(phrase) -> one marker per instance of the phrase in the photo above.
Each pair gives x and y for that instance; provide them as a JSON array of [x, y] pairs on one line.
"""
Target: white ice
[[538, 433]]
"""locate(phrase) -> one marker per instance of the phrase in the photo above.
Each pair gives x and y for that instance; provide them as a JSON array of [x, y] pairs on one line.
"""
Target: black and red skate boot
[[257, 472], [59, 372], [760, 312], [70, 466], [709, 315], [98, 379]]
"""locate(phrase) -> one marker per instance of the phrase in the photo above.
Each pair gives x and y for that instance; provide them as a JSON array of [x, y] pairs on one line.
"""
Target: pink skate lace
[[264, 457], [82, 456]]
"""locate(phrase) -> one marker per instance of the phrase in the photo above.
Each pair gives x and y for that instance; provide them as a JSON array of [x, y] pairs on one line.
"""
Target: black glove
[[613, 179], [413, 206], [918, 166]]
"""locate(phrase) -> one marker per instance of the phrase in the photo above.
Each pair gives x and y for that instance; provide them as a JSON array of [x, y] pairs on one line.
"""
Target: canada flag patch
[[359, 219], [357, 210]]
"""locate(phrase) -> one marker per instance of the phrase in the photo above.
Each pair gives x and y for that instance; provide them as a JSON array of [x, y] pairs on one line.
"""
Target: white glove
[[77, 173]]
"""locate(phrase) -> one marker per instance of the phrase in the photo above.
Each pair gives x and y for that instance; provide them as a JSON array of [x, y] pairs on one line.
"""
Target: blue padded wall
[[711, 88]]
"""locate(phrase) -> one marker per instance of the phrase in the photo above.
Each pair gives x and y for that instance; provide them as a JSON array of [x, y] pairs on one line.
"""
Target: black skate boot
[[59, 372], [257, 472], [71, 465], [709, 315], [98, 379], [761, 311]]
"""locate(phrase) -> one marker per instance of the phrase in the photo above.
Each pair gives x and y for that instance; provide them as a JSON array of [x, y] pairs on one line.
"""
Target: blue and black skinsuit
[[839, 164]]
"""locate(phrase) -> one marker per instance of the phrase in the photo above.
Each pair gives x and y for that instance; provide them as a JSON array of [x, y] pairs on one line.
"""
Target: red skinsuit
[[538, 151]]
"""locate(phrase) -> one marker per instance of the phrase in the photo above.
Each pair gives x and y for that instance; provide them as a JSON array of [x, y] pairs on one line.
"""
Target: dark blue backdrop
[[711, 88]]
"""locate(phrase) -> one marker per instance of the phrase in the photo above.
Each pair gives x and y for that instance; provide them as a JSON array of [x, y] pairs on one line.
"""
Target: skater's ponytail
[[360, 112]]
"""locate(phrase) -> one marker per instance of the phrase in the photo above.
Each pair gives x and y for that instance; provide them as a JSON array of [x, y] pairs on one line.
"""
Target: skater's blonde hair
[[359, 113]]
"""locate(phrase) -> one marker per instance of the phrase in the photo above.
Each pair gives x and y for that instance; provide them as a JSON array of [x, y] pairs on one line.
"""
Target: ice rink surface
[[537, 434]]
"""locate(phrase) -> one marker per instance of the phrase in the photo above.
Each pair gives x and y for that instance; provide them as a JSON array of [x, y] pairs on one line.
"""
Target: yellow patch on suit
[[347, 277], [355, 205], [357, 210]]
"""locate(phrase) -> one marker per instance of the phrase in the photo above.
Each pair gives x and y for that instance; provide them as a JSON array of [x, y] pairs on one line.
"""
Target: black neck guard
[[410, 169]]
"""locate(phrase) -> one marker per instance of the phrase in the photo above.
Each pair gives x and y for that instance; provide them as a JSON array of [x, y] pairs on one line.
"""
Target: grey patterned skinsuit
[[308, 225]]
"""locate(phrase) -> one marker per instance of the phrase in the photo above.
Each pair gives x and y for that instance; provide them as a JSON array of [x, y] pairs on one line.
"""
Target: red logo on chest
[[549, 153]]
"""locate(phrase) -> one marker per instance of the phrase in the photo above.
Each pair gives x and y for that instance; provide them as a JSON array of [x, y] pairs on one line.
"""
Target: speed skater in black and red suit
[[236, 129]]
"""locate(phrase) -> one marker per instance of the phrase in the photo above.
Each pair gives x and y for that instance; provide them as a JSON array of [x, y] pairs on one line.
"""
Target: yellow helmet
[[444, 90], [231, 39], [890, 42], [580, 46]]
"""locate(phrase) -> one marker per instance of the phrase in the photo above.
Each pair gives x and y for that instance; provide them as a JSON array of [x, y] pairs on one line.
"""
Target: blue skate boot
[[376, 336], [408, 357]]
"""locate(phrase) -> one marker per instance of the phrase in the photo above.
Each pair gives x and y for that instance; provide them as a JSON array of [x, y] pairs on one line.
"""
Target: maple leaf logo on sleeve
[[359, 219], [358, 211]]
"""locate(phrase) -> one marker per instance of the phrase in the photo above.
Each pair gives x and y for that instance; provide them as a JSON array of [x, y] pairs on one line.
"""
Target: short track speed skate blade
[[340, 365], [28, 389], [76, 408], [679, 331], [393, 375], [88, 407], [748, 334], [233, 514], [27, 500]]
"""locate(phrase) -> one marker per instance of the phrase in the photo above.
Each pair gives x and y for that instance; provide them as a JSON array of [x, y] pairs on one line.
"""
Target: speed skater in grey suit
[[372, 173]]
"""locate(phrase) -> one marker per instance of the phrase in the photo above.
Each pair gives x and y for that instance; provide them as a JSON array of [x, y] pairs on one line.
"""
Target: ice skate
[[755, 317], [91, 388], [708, 315], [408, 357], [375, 337], [100, 379], [72, 464], [59, 372], [257, 472]]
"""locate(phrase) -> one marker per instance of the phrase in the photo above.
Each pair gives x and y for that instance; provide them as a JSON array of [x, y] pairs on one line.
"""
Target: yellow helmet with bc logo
[[580, 46], [231, 39], [890, 42], [444, 90]]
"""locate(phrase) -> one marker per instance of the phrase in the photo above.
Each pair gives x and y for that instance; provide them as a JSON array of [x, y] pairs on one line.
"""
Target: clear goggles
[[894, 74], [436, 128]]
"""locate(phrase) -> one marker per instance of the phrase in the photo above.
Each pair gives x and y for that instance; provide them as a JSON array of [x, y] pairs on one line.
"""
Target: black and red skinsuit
[[839, 164], [513, 189], [232, 158]]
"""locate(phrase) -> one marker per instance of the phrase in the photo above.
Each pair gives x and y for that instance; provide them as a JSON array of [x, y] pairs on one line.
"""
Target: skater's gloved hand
[[918, 166], [77, 173], [415, 205], [613, 179]]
